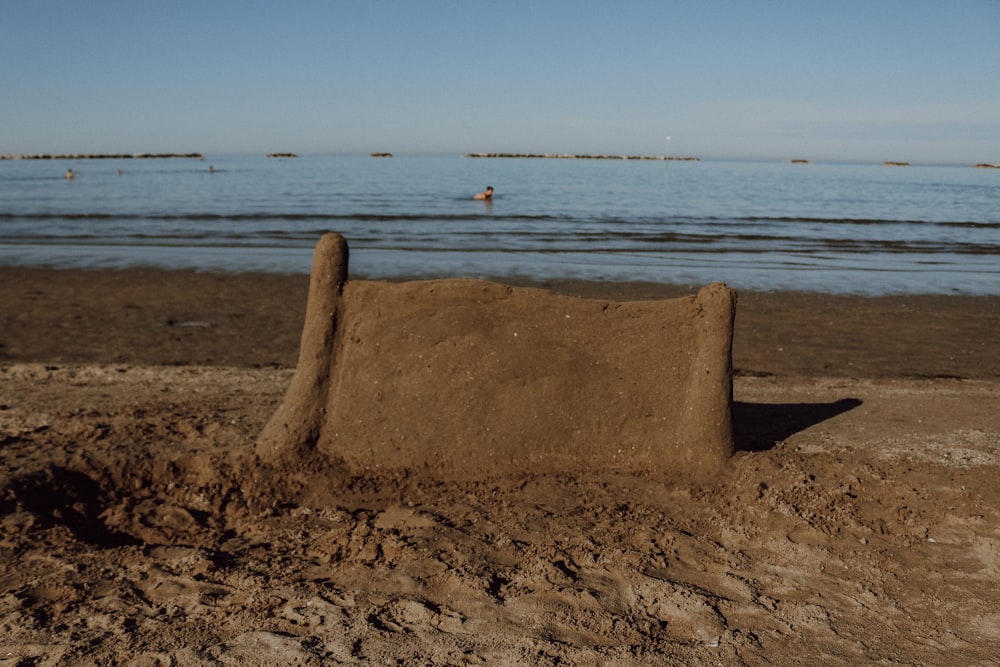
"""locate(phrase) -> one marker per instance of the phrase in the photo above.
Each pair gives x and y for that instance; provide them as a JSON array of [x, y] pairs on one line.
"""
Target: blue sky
[[871, 80]]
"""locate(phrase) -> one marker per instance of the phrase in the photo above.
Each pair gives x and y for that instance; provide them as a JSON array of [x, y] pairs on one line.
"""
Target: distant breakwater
[[103, 156], [575, 156]]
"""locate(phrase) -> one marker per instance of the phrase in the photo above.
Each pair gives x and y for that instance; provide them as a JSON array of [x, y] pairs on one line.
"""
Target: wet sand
[[149, 316], [857, 523]]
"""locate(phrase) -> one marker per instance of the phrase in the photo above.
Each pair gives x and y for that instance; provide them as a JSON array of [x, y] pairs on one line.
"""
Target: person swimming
[[69, 174], [487, 195]]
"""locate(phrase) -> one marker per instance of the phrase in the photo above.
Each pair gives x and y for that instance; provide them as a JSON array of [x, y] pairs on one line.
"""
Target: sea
[[757, 225]]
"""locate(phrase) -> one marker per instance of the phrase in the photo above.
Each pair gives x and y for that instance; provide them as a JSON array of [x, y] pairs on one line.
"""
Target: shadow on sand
[[758, 426]]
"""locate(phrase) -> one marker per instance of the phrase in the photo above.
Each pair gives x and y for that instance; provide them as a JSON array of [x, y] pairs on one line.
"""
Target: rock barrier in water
[[576, 156], [101, 156]]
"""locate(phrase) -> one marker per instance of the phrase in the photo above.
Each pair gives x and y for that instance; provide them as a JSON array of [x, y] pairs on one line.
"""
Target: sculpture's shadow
[[758, 426]]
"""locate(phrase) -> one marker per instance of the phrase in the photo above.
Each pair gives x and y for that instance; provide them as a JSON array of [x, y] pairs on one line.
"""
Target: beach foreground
[[857, 523]]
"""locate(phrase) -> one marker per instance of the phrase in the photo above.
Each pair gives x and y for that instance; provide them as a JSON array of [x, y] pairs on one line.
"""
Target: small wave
[[867, 221], [971, 225], [609, 221], [295, 217]]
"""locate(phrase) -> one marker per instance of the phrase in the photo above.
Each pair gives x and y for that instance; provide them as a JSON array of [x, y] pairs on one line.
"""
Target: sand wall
[[467, 379]]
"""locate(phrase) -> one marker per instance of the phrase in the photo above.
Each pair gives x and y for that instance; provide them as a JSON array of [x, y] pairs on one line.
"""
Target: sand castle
[[469, 379]]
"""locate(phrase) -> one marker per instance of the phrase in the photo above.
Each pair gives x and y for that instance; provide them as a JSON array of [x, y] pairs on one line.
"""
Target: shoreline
[[157, 316]]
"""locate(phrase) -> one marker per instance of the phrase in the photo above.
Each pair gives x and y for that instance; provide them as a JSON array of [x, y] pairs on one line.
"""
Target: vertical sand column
[[296, 424], [707, 403]]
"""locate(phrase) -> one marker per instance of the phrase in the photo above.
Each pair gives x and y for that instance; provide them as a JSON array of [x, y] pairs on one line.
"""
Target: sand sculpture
[[468, 379]]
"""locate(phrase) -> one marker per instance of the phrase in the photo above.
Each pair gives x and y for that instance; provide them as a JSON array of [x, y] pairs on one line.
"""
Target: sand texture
[[856, 523]]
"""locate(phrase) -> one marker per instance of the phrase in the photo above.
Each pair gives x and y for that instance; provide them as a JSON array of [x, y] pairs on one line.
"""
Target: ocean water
[[837, 228]]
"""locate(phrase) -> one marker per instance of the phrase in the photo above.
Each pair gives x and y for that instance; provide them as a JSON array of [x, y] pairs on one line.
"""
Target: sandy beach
[[858, 522]]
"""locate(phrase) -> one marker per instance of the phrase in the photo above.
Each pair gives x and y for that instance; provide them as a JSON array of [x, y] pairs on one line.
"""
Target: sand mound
[[467, 379]]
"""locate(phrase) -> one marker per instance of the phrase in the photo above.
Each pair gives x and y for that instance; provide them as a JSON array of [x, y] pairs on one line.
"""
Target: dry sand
[[857, 524]]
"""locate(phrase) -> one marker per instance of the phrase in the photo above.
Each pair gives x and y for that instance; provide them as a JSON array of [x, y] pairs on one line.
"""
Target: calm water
[[755, 225]]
